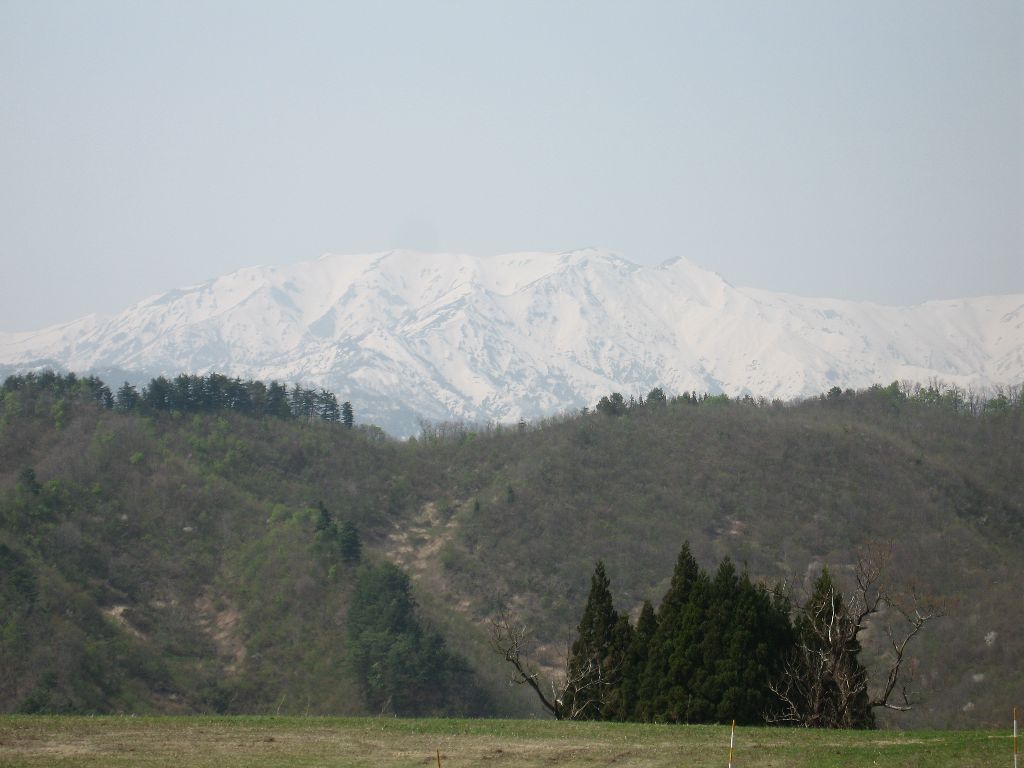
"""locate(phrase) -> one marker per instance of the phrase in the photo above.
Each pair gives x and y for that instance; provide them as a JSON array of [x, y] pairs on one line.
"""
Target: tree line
[[950, 397], [187, 393], [720, 647]]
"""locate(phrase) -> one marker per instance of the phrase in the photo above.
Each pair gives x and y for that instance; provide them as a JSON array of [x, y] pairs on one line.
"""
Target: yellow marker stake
[[732, 742], [439, 758]]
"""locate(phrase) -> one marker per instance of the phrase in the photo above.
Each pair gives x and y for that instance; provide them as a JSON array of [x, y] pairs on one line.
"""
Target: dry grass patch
[[205, 742]]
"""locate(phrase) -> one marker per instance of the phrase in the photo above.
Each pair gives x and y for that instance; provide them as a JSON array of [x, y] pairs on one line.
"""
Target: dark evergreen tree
[[239, 397], [183, 396], [303, 403], [716, 672], [336, 542], [256, 396], [127, 398], [667, 687], [612, 405], [656, 397], [350, 546], [347, 417], [157, 395], [747, 638], [277, 401], [403, 667], [635, 661], [595, 662], [324, 527], [327, 406], [99, 392], [618, 706]]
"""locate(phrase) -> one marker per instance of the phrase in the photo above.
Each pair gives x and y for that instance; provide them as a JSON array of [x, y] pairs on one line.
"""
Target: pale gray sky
[[866, 150]]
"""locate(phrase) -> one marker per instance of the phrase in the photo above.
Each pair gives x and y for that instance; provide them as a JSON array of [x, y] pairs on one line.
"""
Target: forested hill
[[168, 559]]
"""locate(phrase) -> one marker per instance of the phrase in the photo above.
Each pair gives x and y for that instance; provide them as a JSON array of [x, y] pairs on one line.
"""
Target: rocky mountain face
[[407, 335]]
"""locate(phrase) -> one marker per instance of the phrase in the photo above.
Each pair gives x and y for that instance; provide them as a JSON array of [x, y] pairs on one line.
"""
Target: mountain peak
[[406, 334]]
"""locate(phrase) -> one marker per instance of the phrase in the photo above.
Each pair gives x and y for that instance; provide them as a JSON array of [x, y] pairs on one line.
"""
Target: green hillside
[[157, 561]]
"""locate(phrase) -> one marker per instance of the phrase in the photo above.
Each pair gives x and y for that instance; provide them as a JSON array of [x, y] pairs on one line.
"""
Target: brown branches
[[511, 640], [580, 688], [916, 612], [824, 684]]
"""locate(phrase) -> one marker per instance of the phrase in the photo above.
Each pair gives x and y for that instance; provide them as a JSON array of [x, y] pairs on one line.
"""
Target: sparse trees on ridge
[[895, 395], [191, 394]]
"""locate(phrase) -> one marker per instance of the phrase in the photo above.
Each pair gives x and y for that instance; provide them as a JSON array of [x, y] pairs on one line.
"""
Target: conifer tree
[[127, 397], [593, 668], [748, 636], [402, 665], [324, 521], [157, 396], [327, 406], [350, 546], [277, 401], [622, 642], [656, 398], [713, 682], [240, 397], [303, 403], [674, 650], [612, 405], [631, 706]]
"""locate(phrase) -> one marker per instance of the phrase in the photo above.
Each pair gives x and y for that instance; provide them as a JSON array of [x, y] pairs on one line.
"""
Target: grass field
[[225, 742]]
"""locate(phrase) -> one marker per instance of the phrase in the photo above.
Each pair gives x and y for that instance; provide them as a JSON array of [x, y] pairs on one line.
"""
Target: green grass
[[224, 742]]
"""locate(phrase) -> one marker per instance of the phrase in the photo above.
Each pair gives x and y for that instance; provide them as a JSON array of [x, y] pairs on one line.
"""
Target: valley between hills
[[169, 562]]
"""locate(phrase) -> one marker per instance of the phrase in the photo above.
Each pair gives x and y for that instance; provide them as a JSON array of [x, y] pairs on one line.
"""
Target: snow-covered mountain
[[404, 335]]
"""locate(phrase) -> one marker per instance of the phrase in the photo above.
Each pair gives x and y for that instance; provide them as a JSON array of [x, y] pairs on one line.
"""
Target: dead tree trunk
[[569, 697], [824, 684]]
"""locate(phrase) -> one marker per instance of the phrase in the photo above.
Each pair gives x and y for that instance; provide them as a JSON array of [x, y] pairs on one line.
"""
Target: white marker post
[[732, 738], [1016, 741]]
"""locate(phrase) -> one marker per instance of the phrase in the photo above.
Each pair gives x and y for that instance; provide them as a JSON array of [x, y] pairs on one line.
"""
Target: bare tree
[[824, 684], [579, 688]]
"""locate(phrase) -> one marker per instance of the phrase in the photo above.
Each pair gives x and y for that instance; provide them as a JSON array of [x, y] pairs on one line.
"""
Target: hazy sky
[[867, 150]]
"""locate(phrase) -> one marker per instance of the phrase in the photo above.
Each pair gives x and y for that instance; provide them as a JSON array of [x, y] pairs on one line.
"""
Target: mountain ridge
[[408, 335]]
